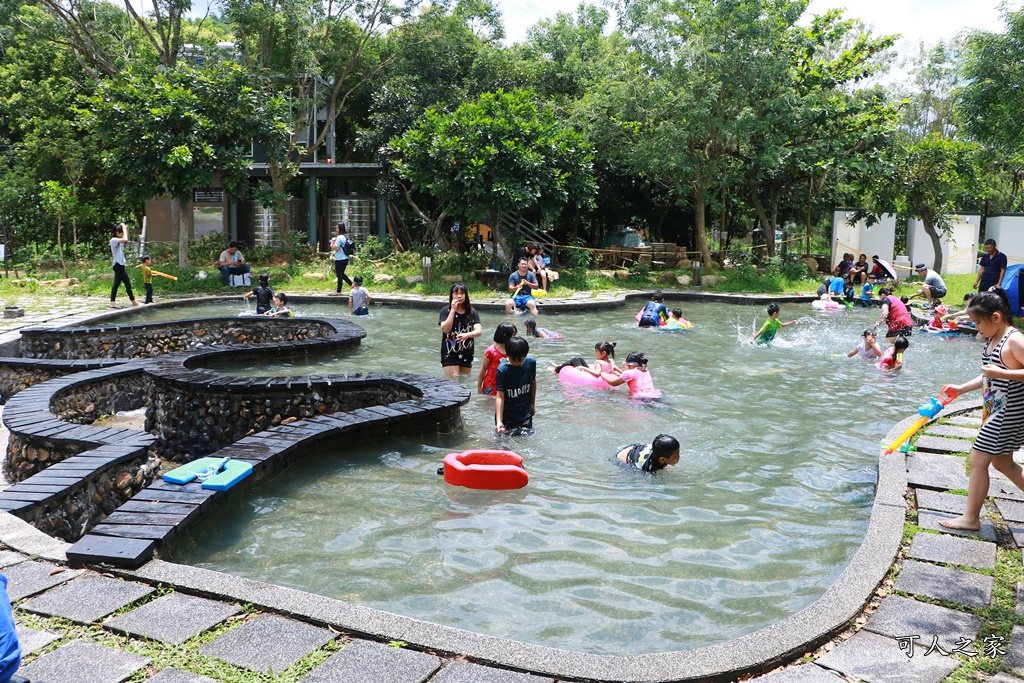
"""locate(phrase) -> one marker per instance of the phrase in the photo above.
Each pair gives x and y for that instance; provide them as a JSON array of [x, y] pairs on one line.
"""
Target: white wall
[[959, 249], [876, 240], [1008, 231]]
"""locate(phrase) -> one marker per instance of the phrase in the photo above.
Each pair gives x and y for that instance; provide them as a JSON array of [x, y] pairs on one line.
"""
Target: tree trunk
[[773, 221], [74, 236], [60, 248], [398, 229], [700, 233], [179, 218], [933, 235], [440, 238], [762, 215]]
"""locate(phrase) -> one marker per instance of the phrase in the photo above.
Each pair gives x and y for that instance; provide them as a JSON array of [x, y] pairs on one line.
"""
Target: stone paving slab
[[1012, 511], [966, 421], [9, 557], [936, 471], [941, 444], [364, 661], [945, 583], [32, 640], [942, 502], [83, 662], [87, 599], [926, 519], [179, 676], [173, 618], [877, 659], [951, 550], [898, 616], [465, 672], [1020, 600], [1017, 530], [806, 673], [1015, 652], [1003, 677], [31, 577], [1003, 489], [268, 643], [952, 431]]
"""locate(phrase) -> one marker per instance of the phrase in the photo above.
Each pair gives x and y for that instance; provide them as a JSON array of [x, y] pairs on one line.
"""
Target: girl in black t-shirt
[[460, 325]]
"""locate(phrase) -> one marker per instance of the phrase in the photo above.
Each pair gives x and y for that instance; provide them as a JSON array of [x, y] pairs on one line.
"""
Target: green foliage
[[373, 249], [639, 270], [927, 179], [579, 257], [500, 152], [166, 133]]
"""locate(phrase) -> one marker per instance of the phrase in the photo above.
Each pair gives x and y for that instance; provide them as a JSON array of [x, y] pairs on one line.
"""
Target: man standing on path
[[934, 286], [992, 268]]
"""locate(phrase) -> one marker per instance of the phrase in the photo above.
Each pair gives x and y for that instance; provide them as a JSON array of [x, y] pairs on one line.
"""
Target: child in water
[[650, 457], [676, 321], [937, 323], [542, 332], [1002, 384], [635, 376], [867, 349], [604, 352], [264, 295], [280, 309], [515, 401], [892, 359], [492, 358], [654, 313], [358, 297], [771, 326]]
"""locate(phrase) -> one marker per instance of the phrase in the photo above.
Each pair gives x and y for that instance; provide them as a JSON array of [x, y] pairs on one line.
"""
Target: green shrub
[[373, 249], [577, 258]]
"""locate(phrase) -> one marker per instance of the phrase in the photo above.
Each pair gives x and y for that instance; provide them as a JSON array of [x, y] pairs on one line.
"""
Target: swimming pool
[[769, 502]]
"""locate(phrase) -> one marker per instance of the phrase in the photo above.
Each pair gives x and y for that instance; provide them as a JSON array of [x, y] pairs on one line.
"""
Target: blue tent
[[1011, 285]]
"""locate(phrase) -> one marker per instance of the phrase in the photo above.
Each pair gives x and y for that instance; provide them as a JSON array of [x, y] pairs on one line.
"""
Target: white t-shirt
[[226, 256], [339, 242], [117, 251]]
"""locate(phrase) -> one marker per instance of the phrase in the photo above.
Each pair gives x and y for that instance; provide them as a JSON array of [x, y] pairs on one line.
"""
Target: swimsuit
[[1003, 401]]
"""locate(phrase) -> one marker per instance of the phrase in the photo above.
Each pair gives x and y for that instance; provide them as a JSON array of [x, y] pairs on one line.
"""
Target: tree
[[169, 132], [703, 61], [991, 99], [318, 57], [926, 179], [498, 153], [812, 124]]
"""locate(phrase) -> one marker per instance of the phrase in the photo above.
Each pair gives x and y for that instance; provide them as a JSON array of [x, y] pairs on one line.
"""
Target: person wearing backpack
[[343, 247]]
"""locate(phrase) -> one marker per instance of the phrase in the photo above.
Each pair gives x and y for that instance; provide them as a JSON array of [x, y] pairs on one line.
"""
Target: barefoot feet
[[961, 523]]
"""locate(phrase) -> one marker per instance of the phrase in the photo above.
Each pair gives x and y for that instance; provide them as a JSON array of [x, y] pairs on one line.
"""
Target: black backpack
[[349, 247]]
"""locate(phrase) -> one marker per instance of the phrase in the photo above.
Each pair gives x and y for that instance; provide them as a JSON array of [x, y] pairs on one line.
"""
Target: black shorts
[[907, 331], [937, 292], [648, 322]]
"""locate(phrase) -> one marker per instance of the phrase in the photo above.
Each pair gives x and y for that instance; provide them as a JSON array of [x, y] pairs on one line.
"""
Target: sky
[[916, 20]]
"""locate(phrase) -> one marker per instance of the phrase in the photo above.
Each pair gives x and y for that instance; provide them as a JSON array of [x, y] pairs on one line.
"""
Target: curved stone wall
[[76, 480], [157, 339]]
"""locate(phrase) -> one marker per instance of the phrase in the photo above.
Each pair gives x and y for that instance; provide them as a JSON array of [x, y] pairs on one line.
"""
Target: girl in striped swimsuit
[[1002, 384]]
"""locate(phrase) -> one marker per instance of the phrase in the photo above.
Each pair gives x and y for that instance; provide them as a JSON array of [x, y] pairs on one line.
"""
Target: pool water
[[769, 502]]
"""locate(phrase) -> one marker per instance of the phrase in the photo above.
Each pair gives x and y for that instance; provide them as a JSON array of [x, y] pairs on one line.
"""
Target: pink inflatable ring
[[493, 470], [571, 375]]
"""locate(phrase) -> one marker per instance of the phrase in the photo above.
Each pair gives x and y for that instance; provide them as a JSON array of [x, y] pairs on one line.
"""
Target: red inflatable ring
[[494, 470]]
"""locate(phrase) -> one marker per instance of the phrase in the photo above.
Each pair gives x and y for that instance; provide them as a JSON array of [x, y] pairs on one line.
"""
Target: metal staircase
[[515, 224]]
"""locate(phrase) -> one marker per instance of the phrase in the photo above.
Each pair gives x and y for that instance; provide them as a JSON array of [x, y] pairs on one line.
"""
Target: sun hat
[[920, 266]]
